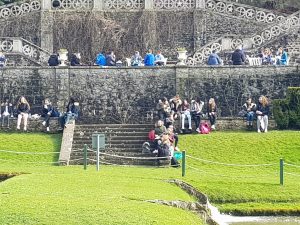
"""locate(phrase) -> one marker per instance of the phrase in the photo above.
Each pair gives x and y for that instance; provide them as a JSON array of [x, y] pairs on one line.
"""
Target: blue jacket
[[101, 60], [284, 58], [149, 60], [214, 59]]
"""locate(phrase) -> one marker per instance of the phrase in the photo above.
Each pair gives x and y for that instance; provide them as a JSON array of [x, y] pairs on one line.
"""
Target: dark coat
[[265, 110], [53, 60], [238, 57], [23, 108]]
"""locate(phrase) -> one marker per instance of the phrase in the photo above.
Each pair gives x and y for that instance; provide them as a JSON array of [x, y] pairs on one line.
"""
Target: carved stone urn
[[181, 57], [63, 56]]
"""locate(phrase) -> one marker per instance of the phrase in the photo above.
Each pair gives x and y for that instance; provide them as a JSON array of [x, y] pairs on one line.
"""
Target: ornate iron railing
[[124, 4], [174, 4]]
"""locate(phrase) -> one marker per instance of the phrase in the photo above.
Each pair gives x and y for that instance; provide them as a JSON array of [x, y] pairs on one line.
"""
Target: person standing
[[23, 109]]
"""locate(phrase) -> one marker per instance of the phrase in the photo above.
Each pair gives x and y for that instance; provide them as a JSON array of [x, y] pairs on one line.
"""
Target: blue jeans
[[250, 116], [64, 120]]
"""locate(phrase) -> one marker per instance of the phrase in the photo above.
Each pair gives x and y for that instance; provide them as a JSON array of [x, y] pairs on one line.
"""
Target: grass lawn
[[116, 195]]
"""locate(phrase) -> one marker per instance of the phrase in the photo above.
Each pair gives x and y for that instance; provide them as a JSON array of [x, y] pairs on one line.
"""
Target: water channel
[[222, 219]]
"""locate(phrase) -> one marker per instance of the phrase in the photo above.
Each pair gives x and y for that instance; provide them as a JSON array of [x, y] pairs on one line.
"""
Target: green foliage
[[287, 111]]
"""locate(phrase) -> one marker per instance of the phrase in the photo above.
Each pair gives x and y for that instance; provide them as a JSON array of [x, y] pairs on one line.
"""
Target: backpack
[[204, 128], [151, 135]]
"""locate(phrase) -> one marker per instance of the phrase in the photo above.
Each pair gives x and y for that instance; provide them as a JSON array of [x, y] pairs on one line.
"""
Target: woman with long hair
[[262, 112], [23, 109], [212, 113]]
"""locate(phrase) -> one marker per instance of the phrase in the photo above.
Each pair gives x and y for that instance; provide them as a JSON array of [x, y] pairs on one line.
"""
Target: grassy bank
[[240, 189], [116, 195]]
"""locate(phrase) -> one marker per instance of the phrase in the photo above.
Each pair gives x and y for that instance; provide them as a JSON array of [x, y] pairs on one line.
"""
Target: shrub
[[287, 111]]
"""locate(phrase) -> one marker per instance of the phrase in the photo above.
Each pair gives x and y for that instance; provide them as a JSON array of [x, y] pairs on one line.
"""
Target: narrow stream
[[222, 219]]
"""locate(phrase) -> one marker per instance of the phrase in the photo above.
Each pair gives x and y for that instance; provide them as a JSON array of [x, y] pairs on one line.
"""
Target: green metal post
[[183, 163], [281, 171], [85, 156]]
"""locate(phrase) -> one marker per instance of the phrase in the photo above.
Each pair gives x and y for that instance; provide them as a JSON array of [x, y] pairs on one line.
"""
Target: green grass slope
[[244, 189]]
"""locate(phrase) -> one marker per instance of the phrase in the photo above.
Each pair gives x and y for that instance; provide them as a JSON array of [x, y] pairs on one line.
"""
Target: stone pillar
[[46, 4], [47, 30], [17, 45], [98, 5], [149, 4], [199, 29], [200, 4]]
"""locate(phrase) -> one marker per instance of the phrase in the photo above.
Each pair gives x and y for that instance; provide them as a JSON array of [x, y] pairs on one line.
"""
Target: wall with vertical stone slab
[[129, 95]]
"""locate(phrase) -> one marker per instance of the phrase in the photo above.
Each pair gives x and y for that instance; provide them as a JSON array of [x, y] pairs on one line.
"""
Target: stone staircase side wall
[[66, 144]]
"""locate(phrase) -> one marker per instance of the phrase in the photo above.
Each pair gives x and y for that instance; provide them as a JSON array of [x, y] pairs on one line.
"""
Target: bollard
[[281, 171], [183, 163], [85, 156]]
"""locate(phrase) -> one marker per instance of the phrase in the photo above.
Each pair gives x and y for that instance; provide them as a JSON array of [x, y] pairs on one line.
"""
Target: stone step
[[116, 126], [112, 150], [110, 131], [87, 138], [114, 134], [113, 146], [111, 142]]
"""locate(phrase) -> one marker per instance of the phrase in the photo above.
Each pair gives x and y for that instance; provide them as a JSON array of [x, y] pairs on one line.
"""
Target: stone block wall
[[129, 95]]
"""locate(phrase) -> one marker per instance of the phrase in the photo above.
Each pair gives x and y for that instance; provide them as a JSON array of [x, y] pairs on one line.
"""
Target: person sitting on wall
[[175, 104], [136, 59], [71, 113], [100, 59], [196, 111], [262, 113], [149, 58], [186, 112], [159, 59], [111, 59], [6, 111], [238, 56], [3, 60], [47, 112], [282, 58], [249, 110], [75, 59], [212, 113], [266, 57], [214, 59], [53, 60]]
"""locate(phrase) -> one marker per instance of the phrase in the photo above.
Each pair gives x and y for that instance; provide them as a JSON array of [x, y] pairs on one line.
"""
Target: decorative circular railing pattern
[[174, 4], [280, 28], [27, 49], [243, 11], [17, 10], [124, 4], [72, 4]]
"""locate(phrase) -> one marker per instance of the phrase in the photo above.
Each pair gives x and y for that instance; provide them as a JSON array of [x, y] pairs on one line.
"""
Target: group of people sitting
[[175, 108], [261, 111], [22, 112], [238, 57], [136, 60], [54, 59]]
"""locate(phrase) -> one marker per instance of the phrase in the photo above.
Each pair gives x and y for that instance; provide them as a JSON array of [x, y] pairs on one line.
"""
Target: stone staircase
[[121, 139]]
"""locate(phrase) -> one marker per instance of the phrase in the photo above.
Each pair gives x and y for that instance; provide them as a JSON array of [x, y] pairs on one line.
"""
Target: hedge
[[287, 111]]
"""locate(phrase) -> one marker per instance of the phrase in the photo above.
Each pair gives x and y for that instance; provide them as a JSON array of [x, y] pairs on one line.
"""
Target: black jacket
[[23, 108], [75, 61], [53, 60], [265, 110], [238, 57]]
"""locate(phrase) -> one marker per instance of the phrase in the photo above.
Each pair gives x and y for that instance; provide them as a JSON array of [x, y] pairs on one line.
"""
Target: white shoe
[[44, 123], [197, 130], [213, 127], [258, 131], [266, 130], [47, 129]]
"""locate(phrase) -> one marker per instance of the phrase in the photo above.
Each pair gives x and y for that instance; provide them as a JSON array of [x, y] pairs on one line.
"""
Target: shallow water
[[268, 220], [222, 219]]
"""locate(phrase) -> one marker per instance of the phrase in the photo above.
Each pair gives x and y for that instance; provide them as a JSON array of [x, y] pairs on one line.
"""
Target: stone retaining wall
[[129, 95]]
